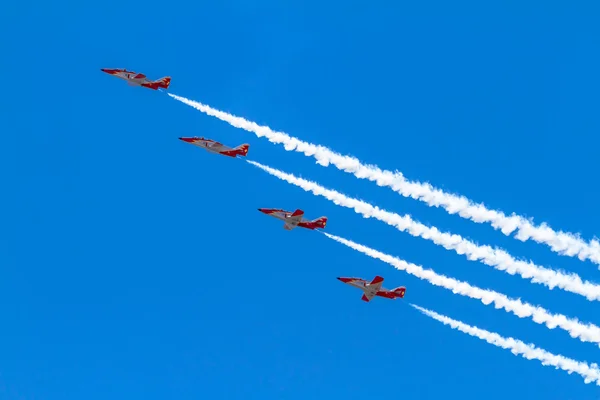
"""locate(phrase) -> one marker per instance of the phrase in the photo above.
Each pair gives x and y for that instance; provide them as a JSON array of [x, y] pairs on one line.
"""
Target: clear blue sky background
[[135, 266]]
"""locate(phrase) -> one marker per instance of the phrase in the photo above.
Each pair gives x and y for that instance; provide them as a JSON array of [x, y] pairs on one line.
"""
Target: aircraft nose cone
[[345, 280], [186, 139]]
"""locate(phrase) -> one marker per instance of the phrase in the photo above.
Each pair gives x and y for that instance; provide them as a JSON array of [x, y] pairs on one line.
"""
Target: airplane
[[374, 288], [215, 147], [294, 219], [137, 79]]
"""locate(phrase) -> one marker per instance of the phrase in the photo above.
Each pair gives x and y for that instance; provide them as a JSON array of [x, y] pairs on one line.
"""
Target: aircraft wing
[[220, 148], [135, 80], [376, 283], [367, 296], [293, 220]]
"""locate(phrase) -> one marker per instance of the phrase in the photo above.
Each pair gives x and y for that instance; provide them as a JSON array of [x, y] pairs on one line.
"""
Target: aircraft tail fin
[[320, 222], [242, 149], [163, 82]]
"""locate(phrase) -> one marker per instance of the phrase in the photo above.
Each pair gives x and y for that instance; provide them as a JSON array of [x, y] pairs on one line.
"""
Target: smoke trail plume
[[575, 328], [517, 347], [563, 243], [496, 258]]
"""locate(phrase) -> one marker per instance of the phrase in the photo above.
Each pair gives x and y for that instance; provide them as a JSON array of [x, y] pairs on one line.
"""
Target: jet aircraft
[[215, 147], [373, 288], [137, 79], [294, 219]]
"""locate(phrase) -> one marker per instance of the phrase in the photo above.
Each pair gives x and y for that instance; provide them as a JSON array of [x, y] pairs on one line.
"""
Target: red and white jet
[[137, 79], [215, 147], [294, 219], [374, 288]]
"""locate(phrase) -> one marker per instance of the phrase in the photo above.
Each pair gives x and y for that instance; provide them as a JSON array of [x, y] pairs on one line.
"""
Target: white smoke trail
[[496, 258], [517, 347], [575, 328], [563, 243]]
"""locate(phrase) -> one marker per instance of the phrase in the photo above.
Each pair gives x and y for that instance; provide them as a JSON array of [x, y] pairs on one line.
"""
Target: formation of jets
[[291, 219]]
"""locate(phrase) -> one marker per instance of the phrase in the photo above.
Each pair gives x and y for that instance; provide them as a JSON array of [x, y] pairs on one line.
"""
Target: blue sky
[[136, 266]]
